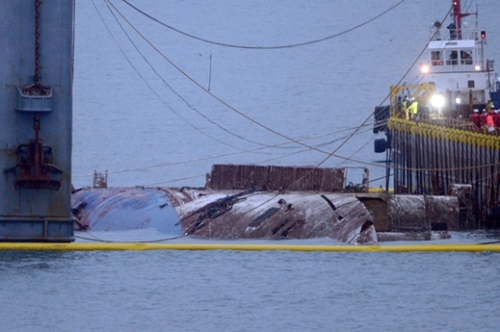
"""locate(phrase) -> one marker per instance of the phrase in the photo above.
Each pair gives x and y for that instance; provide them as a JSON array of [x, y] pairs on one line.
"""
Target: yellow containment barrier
[[247, 247]]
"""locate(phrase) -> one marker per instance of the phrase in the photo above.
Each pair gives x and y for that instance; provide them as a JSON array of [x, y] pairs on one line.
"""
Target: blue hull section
[[119, 209]]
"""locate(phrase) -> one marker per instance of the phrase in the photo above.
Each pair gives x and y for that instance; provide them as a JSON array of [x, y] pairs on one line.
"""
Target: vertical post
[[389, 159], [36, 76]]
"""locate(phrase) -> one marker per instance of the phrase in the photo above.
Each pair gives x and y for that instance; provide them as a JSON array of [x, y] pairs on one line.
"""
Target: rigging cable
[[329, 154], [168, 85], [406, 73], [188, 77], [214, 157], [216, 98], [265, 47], [264, 126], [253, 47], [257, 163], [367, 119], [96, 239]]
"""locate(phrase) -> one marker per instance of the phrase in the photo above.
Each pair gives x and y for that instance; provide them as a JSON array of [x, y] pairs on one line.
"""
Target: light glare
[[437, 101]]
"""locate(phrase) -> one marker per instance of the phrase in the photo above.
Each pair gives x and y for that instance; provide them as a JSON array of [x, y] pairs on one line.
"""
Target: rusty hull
[[225, 214], [295, 178], [421, 212]]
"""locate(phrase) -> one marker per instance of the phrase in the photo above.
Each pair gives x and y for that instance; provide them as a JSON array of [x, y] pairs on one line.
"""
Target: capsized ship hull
[[120, 209], [226, 214], [226, 209], [244, 202], [274, 215]]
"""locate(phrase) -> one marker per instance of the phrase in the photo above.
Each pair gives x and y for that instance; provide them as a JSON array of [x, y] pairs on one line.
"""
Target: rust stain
[[271, 215], [240, 177]]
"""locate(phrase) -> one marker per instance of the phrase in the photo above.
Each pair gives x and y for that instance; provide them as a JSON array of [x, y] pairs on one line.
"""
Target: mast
[[457, 17]]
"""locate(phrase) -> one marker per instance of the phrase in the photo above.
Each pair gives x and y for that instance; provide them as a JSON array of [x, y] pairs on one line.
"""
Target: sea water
[[248, 291], [162, 108]]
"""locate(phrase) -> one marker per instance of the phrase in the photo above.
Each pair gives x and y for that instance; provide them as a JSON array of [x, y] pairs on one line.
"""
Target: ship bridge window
[[466, 57], [470, 84], [437, 59], [452, 58]]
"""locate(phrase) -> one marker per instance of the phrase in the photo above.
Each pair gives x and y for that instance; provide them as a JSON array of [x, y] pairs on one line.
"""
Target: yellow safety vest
[[489, 106], [413, 107]]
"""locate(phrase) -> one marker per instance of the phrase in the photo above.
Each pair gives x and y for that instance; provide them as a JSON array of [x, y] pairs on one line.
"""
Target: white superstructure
[[456, 65]]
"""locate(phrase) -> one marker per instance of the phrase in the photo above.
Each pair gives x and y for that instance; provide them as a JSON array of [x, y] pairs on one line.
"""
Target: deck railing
[[469, 33]]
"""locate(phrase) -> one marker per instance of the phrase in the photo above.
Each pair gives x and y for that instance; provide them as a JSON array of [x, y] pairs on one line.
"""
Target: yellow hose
[[14, 246]]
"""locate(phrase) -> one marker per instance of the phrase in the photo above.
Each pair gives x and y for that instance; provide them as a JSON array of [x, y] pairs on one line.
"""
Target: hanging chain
[[37, 42]]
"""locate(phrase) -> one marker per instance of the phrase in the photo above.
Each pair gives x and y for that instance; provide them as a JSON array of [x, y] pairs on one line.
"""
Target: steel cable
[[265, 47]]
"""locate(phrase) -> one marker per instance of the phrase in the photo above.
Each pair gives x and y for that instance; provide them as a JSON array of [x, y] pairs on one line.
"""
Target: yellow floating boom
[[14, 246]]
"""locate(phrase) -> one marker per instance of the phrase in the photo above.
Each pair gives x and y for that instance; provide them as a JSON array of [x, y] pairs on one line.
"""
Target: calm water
[[252, 291], [130, 120]]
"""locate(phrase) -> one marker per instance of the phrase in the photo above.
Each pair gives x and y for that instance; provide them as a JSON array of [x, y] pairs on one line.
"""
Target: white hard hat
[[476, 111]]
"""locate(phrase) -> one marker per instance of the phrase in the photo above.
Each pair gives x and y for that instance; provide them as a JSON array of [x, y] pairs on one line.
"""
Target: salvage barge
[[449, 147]]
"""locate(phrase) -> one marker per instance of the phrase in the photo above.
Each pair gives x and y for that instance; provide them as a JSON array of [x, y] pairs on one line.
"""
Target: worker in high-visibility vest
[[489, 105], [413, 108], [406, 103]]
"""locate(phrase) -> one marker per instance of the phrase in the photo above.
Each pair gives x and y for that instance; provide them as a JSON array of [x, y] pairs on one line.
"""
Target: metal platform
[[36, 229]]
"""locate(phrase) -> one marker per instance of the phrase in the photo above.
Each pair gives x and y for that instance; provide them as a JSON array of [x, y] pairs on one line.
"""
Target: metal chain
[[37, 42]]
